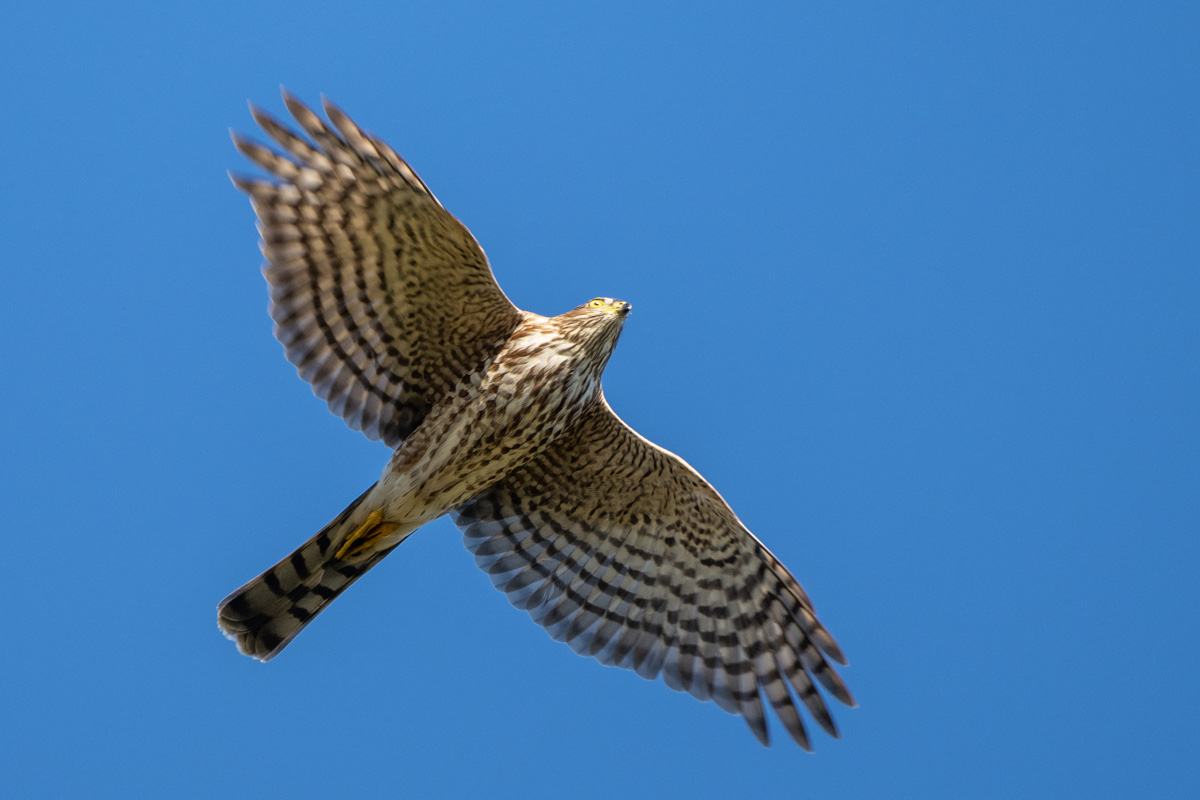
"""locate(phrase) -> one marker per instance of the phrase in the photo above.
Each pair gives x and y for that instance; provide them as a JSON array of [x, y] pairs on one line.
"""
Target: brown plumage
[[387, 306]]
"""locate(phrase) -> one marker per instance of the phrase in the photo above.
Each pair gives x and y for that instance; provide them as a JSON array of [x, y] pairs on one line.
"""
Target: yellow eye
[[597, 303]]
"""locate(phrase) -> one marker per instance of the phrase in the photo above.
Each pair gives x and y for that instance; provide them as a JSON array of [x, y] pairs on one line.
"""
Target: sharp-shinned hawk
[[386, 304]]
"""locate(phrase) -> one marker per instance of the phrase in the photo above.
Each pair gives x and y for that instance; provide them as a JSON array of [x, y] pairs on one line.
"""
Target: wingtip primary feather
[[287, 96], [305, 116], [261, 115]]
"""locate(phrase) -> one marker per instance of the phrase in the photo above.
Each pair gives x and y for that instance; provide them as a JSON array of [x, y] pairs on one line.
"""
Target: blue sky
[[916, 288]]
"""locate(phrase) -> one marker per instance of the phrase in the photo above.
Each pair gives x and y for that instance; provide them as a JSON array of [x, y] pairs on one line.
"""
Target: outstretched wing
[[620, 549], [383, 301]]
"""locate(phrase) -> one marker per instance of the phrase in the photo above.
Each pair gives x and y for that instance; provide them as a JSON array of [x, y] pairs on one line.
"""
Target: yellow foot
[[365, 536]]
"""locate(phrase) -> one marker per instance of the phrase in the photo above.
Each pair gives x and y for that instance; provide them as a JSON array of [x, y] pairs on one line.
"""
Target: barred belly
[[494, 422]]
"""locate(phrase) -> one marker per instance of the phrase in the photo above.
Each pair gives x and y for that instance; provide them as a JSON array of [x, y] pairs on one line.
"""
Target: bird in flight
[[387, 306]]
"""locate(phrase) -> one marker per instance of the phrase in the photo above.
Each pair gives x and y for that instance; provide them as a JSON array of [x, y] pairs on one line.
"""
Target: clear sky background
[[918, 289]]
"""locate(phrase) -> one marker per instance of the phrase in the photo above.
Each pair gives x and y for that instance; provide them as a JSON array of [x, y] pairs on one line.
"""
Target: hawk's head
[[594, 327], [606, 304], [599, 314]]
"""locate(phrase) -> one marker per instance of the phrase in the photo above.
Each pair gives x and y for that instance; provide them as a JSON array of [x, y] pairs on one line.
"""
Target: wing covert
[[623, 551], [382, 300]]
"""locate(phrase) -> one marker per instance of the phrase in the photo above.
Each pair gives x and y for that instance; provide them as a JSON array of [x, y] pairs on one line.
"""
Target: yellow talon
[[365, 536]]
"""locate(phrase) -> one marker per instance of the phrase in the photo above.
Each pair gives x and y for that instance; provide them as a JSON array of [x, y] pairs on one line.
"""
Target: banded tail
[[263, 616]]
